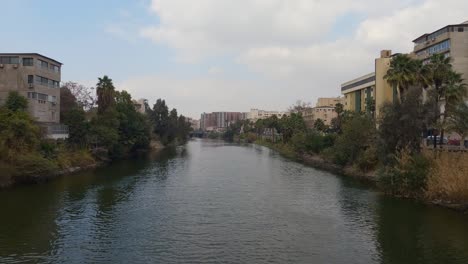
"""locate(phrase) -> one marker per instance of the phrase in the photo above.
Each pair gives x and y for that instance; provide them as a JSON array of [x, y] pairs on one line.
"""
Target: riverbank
[[66, 164], [447, 184], [319, 162]]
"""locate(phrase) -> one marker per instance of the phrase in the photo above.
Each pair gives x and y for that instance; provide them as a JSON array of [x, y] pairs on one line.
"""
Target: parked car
[[454, 142], [430, 140]]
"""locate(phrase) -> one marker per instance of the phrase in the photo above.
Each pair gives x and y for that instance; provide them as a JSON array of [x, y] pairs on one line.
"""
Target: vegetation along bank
[[390, 149], [102, 128]]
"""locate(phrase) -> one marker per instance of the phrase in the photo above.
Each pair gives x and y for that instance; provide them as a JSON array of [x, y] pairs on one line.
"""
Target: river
[[214, 202]]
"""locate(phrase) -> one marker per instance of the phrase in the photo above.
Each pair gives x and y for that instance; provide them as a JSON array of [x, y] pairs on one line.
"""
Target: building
[[372, 86], [37, 78], [324, 110], [333, 101], [219, 120], [256, 114], [451, 40], [140, 105]]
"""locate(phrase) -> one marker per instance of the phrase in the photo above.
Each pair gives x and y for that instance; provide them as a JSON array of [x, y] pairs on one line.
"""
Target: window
[[30, 78], [460, 29], [47, 82], [32, 95], [443, 46], [28, 61], [9, 60], [43, 64], [42, 97], [54, 68]]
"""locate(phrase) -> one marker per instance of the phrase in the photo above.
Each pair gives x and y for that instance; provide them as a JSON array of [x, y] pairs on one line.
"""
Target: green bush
[[33, 165], [358, 134], [406, 176], [368, 160]]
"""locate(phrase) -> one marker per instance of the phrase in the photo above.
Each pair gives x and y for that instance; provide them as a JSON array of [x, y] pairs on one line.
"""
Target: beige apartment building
[[256, 114], [37, 78], [324, 110], [451, 40], [371, 86]]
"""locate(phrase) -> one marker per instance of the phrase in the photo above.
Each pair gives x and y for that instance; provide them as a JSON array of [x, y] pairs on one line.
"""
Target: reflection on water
[[211, 202]]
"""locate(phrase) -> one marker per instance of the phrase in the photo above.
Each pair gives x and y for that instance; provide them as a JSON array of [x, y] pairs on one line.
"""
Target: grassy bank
[[447, 179]]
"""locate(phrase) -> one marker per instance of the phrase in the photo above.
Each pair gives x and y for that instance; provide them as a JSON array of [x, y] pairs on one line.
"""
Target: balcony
[[55, 131]]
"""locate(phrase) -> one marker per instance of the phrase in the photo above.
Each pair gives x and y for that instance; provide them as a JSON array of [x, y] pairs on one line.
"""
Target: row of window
[[43, 81], [46, 65], [9, 60], [358, 83], [437, 48], [42, 98], [29, 62], [460, 28]]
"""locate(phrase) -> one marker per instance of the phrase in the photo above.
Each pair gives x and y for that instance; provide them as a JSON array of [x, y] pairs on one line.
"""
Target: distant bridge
[[198, 134]]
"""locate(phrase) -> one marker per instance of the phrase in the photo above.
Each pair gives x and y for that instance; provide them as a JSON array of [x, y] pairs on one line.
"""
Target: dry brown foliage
[[448, 179]]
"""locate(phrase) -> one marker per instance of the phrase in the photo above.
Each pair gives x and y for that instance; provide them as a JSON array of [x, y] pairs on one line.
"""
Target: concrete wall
[[383, 90]]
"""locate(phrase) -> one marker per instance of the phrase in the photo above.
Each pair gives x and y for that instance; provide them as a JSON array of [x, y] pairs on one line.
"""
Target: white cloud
[[287, 42]]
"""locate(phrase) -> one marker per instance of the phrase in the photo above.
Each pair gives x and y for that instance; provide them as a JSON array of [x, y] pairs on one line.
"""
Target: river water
[[213, 202]]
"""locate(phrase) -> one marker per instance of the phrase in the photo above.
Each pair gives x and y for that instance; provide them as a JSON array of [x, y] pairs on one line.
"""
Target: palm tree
[[105, 92], [454, 90], [402, 73], [438, 72], [458, 121]]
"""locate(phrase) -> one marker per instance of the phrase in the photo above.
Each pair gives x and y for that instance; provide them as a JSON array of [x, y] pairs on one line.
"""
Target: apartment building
[[37, 78], [324, 110], [256, 114], [219, 120], [333, 101], [451, 40], [371, 86]]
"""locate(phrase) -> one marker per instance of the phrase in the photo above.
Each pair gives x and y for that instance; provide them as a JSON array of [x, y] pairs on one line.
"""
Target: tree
[[84, 96], [160, 117], [289, 125], [18, 133], [105, 94], [358, 135], [299, 107], [438, 70], [75, 119], [319, 125], [458, 122], [402, 73], [67, 100], [15, 102], [402, 124]]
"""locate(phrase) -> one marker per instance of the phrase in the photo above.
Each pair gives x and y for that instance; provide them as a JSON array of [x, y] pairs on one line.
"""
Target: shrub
[[78, 158], [407, 175], [448, 177], [33, 165], [368, 160], [358, 134]]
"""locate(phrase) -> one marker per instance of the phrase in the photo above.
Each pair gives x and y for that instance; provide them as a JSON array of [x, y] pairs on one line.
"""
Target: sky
[[221, 55]]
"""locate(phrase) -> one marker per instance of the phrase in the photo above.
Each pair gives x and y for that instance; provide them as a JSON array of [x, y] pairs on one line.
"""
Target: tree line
[[431, 99], [103, 127]]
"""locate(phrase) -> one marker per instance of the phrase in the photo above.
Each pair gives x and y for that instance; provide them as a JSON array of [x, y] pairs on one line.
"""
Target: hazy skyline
[[221, 55]]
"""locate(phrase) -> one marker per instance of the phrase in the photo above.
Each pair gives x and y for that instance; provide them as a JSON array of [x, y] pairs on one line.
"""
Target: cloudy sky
[[221, 55]]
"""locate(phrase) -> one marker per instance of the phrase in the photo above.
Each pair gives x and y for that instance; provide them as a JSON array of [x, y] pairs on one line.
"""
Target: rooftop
[[30, 54], [464, 24]]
